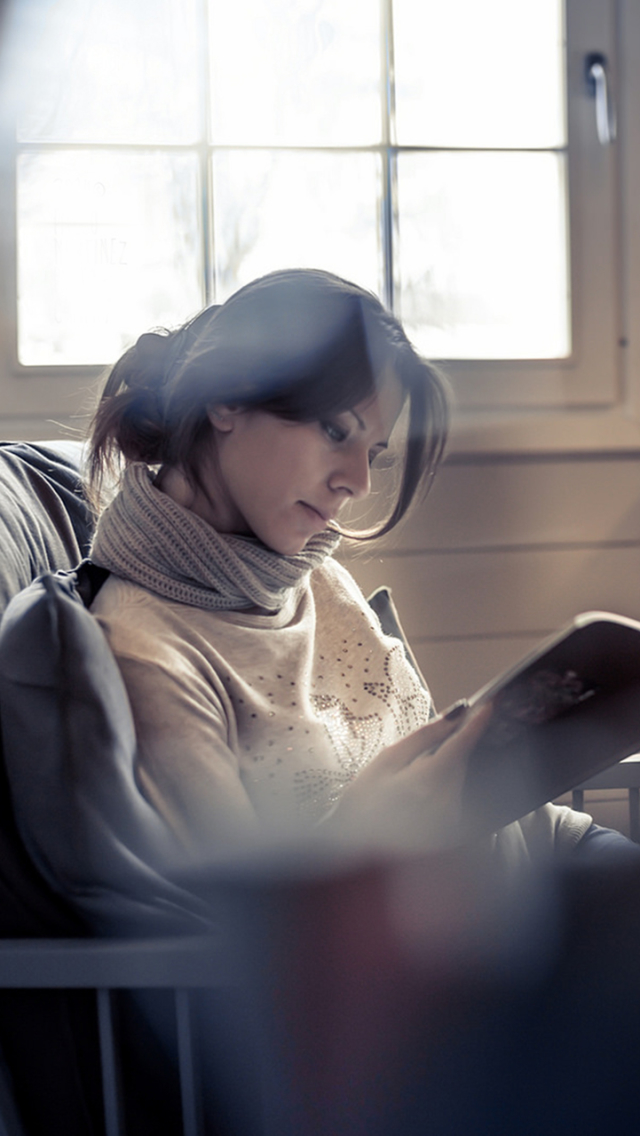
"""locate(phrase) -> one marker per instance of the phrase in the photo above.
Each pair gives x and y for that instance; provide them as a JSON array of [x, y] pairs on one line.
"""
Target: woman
[[264, 694]]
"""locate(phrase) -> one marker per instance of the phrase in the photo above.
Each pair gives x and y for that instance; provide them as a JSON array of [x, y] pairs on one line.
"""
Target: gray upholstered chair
[[59, 1070]]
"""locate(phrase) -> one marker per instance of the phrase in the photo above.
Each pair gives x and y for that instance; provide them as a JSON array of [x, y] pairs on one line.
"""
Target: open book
[[564, 712]]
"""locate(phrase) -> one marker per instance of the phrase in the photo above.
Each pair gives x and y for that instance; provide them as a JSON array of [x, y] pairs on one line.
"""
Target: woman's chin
[[289, 545]]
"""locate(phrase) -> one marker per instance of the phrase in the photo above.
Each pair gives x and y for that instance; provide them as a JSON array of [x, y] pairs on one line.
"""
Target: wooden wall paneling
[[504, 592], [469, 615], [456, 668], [503, 552], [527, 502]]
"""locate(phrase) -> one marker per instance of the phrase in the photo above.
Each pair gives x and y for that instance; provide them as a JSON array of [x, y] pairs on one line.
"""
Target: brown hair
[[302, 344]]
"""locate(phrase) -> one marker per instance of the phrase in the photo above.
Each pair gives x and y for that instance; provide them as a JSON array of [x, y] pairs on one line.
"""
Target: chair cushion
[[381, 602], [45, 521], [69, 747]]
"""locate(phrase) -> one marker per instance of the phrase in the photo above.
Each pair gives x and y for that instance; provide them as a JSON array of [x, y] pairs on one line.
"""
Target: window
[[444, 155]]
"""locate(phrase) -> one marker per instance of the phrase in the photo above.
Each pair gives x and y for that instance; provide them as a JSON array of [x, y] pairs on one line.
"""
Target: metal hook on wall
[[598, 87]]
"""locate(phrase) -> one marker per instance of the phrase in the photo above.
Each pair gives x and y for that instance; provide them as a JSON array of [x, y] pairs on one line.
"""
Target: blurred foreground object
[[432, 996]]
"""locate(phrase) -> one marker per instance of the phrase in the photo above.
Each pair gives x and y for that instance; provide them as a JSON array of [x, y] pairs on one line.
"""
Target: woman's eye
[[334, 432]]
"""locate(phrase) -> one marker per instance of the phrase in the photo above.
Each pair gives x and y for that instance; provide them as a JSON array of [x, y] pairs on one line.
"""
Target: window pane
[[486, 74], [295, 72], [282, 210], [483, 260], [108, 246], [121, 71]]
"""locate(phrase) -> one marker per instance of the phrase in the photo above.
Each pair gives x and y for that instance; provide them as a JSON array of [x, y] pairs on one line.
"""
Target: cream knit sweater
[[244, 718], [241, 715]]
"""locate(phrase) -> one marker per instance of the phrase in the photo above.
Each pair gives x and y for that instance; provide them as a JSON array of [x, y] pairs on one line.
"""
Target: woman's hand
[[411, 793]]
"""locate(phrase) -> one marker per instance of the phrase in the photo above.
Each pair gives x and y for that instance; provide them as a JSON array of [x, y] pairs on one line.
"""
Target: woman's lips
[[319, 516]]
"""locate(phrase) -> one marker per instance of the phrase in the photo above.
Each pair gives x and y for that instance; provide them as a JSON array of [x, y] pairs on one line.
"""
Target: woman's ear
[[222, 417]]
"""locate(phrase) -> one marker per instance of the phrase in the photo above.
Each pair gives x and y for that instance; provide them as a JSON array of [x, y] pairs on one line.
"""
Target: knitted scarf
[[146, 537]]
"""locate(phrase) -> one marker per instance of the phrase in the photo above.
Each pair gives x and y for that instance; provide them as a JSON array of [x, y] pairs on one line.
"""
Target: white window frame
[[588, 401], [578, 411]]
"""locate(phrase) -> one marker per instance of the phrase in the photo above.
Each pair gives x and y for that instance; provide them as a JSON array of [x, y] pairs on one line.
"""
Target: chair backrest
[[45, 525], [49, 1039], [80, 849], [69, 751], [45, 521]]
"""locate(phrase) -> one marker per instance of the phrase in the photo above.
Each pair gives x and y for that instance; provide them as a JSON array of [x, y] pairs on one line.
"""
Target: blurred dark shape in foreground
[[429, 996]]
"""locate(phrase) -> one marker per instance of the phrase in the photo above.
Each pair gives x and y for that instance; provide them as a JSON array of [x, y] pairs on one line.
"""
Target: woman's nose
[[353, 474]]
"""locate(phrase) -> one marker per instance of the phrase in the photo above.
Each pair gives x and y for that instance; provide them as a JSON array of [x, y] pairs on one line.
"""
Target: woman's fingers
[[461, 740], [412, 791], [427, 739], [431, 810], [411, 794], [445, 725]]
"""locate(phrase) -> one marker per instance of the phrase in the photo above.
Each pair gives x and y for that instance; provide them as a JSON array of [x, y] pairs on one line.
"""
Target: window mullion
[[389, 210], [205, 159]]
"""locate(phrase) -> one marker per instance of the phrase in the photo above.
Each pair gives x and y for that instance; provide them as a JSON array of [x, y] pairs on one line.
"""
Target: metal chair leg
[[111, 1084], [187, 1064]]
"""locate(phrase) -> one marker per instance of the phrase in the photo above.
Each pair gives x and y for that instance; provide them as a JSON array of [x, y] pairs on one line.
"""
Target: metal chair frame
[[179, 964]]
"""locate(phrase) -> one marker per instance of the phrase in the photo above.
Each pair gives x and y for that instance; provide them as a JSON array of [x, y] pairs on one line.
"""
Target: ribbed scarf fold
[[144, 536]]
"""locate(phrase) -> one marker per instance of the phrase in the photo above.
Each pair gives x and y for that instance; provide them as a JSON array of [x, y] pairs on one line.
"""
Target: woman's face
[[284, 481]]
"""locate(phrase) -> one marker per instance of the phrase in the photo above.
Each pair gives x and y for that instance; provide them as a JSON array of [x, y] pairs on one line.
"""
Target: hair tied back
[[154, 355]]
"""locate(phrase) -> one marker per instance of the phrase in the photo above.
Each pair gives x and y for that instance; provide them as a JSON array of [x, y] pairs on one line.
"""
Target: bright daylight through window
[[173, 150]]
